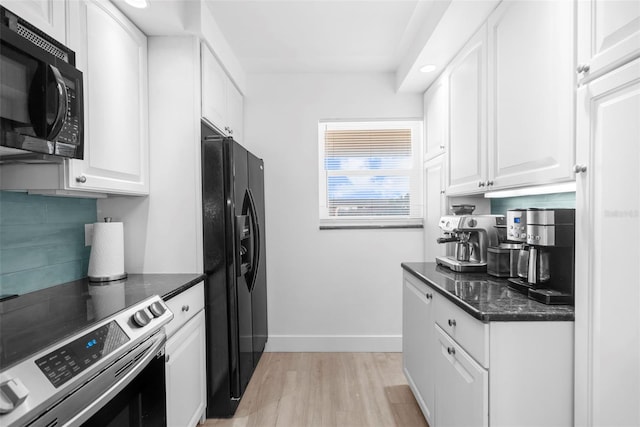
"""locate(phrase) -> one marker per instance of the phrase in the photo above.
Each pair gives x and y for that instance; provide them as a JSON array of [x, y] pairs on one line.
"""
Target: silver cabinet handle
[[579, 168], [81, 179], [185, 308], [442, 147], [452, 322], [583, 68]]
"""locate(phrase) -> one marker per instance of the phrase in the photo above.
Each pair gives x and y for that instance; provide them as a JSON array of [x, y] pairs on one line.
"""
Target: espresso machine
[[472, 235], [549, 263]]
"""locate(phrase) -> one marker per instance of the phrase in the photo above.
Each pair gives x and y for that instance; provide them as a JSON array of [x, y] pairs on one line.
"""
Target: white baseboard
[[335, 343]]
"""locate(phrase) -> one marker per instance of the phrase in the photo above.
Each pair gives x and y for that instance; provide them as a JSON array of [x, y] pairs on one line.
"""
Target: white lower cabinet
[[417, 342], [185, 359], [465, 372], [459, 379]]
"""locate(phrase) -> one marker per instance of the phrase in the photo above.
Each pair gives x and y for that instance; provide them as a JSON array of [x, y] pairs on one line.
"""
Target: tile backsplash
[[556, 200], [42, 240]]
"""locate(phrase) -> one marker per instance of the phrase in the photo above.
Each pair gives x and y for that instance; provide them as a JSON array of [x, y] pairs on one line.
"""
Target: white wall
[[328, 290]]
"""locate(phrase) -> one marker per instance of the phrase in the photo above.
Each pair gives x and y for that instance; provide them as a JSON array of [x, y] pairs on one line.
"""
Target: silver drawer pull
[[452, 322], [451, 350], [185, 308]]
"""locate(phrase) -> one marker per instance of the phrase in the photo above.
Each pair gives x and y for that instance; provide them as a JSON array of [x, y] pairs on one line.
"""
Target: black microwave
[[41, 97]]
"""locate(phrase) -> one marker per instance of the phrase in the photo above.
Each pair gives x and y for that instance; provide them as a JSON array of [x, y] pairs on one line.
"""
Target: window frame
[[415, 174]]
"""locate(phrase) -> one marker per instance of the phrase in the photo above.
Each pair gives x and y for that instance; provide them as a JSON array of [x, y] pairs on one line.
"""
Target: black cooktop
[[36, 320]]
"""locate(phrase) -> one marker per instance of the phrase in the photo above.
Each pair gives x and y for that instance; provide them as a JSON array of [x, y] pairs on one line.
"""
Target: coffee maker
[[472, 235], [550, 267]]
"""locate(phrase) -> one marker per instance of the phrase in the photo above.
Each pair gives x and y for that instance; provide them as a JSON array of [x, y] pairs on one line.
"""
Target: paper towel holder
[[107, 278]]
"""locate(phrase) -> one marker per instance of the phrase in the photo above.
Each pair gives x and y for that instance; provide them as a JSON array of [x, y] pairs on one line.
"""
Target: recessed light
[[428, 68], [140, 4]]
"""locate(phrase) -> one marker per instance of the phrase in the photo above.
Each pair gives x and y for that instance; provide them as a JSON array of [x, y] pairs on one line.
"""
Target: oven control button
[[157, 309], [12, 394], [141, 318]]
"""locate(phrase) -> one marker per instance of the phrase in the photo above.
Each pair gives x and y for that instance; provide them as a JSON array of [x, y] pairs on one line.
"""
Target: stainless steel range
[[74, 379]]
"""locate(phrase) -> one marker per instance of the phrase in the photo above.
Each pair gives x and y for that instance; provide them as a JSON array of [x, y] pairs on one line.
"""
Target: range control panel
[[65, 362]]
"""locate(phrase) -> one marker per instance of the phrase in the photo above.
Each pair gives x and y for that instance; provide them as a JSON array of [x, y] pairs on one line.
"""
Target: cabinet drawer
[[470, 333], [184, 306]]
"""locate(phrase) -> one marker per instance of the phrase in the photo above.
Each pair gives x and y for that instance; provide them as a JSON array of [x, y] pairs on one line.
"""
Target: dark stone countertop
[[485, 297], [35, 320]]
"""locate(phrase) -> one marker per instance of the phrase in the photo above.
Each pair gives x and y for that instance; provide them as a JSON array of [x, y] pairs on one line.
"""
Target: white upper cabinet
[[113, 58], [531, 93], [48, 16], [608, 35], [435, 207], [222, 102], [467, 118], [436, 117]]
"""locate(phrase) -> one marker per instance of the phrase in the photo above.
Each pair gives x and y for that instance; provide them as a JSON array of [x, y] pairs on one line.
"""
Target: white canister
[[106, 261]]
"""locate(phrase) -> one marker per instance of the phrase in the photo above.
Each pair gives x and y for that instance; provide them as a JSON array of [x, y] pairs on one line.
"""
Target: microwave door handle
[[61, 90]]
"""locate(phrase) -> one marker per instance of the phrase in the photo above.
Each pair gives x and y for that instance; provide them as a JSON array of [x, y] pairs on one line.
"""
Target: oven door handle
[[156, 346]]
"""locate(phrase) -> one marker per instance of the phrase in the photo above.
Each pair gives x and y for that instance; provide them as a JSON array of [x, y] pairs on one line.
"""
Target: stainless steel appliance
[[235, 268], [472, 235], [502, 260], [41, 97], [517, 225], [110, 373], [551, 262]]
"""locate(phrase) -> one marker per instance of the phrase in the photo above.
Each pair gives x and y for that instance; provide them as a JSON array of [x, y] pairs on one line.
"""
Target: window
[[370, 174]]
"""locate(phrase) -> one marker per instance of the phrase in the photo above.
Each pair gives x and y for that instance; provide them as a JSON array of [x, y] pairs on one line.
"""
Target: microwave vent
[[41, 42]]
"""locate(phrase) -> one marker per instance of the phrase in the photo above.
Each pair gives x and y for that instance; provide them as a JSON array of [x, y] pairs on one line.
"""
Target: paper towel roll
[[106, 261]]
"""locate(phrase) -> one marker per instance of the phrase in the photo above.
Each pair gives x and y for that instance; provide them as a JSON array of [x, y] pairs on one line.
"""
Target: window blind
[[370, 173]]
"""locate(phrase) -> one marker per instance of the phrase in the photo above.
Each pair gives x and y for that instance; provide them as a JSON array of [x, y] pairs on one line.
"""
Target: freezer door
[[259, 288]]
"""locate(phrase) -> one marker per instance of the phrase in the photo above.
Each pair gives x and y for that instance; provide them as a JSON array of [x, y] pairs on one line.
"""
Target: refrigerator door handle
[[255, 240]]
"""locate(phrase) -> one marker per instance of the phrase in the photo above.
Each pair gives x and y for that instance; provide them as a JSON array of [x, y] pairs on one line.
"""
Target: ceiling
[[277, 36], [319, 35]]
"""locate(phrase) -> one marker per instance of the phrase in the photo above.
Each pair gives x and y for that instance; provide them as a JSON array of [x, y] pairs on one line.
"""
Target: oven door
[[141, 404]]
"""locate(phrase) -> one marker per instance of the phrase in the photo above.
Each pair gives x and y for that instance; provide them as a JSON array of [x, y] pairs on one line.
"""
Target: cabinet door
[[418, 343], [186, 375], [235, 109], [607, 251], [434, 176], [214, 90], [608, 35], [113, 58], [467, 118], [462, 384], [436, 117], [531, 93], [48, 16]]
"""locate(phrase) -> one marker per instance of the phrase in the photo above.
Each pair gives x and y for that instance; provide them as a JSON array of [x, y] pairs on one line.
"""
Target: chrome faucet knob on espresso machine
[[472, 235]]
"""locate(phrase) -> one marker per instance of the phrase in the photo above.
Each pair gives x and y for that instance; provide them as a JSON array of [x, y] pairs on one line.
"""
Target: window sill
[[368, 224]]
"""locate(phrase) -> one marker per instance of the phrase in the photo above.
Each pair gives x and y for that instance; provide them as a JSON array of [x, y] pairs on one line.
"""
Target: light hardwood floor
[[328, 390]]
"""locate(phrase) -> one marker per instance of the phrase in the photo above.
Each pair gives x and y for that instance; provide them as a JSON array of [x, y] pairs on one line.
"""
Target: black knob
[[451, 350], [157, 309], [141, 318], [452, 322]]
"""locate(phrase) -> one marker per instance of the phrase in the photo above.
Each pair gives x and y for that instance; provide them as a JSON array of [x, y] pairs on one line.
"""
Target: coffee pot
[[464, 248]]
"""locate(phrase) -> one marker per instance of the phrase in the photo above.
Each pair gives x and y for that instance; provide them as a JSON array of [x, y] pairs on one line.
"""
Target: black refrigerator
[[234, 264]]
